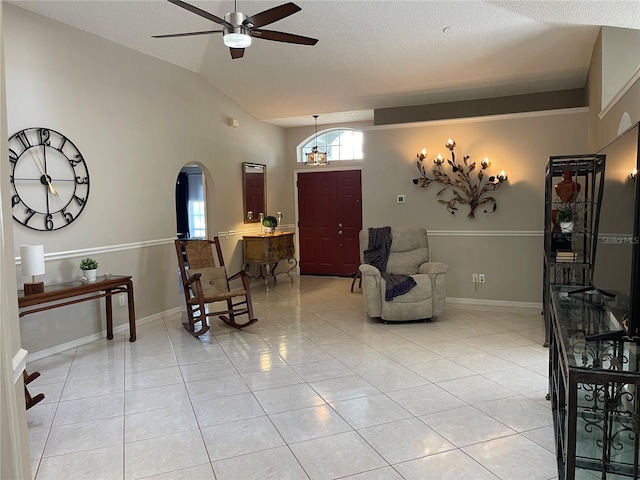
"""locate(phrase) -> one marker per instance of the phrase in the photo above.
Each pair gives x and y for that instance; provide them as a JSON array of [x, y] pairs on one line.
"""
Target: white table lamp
[[32, 263]]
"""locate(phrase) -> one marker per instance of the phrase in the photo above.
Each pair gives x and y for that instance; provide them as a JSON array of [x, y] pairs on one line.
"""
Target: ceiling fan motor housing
[[238, 29], [236, 35]]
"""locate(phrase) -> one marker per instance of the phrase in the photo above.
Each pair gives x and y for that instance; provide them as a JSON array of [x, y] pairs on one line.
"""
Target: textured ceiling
[[370, 54]]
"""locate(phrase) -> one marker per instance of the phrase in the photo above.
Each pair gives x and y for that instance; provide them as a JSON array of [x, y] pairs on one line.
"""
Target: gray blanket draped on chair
[[377, 255]]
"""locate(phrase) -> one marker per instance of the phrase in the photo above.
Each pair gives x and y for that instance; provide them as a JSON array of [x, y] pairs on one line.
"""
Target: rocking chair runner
[[205, 281]]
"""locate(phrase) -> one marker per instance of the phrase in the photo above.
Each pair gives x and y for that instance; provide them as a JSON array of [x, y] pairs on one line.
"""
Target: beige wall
[[498, 244], [501, 245], [137, 120], [620, 60], [603, 125]]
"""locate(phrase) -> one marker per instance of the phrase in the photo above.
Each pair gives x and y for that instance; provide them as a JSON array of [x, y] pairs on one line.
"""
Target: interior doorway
[[330, 220], [191, 205]]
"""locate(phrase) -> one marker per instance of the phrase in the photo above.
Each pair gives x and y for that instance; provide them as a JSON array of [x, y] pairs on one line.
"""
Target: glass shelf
[[594, 383]]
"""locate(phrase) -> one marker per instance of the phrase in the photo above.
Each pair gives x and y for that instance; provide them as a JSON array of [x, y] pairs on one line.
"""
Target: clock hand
[[51, 189], [40, 166]]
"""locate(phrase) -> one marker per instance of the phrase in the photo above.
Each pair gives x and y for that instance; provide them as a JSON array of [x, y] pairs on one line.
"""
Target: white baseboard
[[97, 336], [493, 303]]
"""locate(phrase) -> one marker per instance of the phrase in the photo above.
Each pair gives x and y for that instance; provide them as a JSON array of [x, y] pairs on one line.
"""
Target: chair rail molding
[[486, 233], [103, 249]]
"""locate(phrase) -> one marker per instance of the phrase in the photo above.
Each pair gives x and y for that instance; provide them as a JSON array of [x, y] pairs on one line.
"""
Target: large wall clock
[[49, 177]]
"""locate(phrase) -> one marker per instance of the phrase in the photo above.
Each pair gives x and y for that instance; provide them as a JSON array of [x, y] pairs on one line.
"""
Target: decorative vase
[[566, 227], [269, 229], [90, 275], [567, 189]]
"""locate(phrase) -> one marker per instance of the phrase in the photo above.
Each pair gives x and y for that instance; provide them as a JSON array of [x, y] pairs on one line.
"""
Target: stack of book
[[568, 256], [560, 241]]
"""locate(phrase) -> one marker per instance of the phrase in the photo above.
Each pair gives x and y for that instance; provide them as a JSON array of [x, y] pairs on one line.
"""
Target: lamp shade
[[32, 260]]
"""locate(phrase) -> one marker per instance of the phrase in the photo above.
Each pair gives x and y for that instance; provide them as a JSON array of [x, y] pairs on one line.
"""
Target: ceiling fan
[[238, 29]]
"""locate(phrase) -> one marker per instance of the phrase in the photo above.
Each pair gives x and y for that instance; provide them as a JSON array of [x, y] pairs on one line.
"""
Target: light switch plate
[[401, 199]]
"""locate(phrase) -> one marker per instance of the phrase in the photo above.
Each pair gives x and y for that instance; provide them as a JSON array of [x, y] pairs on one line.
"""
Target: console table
[[69, 293], [594, 383], [267, 250]]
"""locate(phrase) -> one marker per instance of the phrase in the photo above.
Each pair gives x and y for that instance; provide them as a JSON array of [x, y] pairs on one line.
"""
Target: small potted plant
[[565, 219], [269, 223], [89, 266]]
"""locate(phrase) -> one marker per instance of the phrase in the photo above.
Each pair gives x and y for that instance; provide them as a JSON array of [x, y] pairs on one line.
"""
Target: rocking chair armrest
[[242, 275], [237, 275], [193, 279]]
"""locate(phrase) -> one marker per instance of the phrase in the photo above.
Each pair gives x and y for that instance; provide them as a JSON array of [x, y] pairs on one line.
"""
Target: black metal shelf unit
[[569, 251]]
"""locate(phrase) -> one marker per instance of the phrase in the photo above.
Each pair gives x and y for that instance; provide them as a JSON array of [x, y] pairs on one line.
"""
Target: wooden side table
[[267, 250], [69, 293]]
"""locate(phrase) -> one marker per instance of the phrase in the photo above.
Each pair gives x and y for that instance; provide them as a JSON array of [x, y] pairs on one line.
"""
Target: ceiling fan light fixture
[[237, 40], [238, 29]]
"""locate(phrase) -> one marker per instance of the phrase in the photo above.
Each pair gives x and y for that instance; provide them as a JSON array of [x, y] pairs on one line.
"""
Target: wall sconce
[[467, 190], [633, 174]]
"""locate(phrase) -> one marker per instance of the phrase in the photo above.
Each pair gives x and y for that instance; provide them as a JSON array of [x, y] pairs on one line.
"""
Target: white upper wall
[[620, 62], [137, 120]]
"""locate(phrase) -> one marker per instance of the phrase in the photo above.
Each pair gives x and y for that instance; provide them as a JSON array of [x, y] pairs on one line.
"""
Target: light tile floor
[[314, 390]]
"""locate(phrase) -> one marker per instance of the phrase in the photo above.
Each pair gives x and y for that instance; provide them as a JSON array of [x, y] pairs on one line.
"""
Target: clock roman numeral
[[44, 135], [76, 160], [24, 140], [67, 216], [48, 222], [13, 156], [30, 213]]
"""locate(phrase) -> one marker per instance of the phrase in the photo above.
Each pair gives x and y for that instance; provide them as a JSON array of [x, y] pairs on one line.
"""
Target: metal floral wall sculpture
[[468, 185]]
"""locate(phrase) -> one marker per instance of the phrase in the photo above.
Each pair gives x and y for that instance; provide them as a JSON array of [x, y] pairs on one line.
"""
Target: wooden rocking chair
[[205, 282]]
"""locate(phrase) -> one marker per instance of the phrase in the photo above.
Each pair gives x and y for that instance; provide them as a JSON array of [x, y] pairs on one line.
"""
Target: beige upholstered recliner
[[408, 255]]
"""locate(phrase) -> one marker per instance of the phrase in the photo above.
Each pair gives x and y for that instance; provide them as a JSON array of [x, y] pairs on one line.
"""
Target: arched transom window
[[340, 144]]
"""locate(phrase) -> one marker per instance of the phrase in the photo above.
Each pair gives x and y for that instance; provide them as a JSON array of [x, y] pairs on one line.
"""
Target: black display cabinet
[[572, 184]]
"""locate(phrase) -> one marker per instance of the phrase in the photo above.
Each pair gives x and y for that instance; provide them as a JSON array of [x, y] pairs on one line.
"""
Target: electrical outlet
[[122, 298], [481, 277], [474, 277]]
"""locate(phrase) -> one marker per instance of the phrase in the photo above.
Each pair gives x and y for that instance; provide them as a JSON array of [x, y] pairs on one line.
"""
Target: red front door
[[330, 219]]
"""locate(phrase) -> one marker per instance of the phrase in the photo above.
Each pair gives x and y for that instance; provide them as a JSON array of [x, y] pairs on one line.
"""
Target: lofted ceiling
[[371, 54]]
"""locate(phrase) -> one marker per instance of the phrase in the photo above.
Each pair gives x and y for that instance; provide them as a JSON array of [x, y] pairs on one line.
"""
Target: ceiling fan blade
[[283, 37], [236, 52], [202, 13], [186, 34], [272, 15]]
